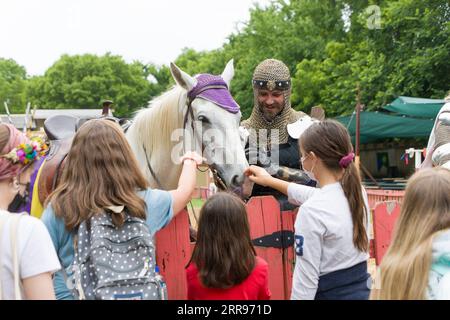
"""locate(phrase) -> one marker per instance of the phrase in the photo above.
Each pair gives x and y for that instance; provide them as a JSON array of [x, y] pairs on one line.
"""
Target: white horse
[[156, 131]]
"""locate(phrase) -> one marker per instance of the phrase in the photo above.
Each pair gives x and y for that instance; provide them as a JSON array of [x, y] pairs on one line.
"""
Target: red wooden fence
[[374, 196], [383, 219], [173, 252], [385, 216], [266, 219]]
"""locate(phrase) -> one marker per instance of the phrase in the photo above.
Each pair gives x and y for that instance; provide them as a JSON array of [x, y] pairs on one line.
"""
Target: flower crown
[[26, 153]]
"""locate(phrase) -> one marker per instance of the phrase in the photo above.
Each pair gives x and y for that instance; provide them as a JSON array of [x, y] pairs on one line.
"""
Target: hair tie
[[346, 160]]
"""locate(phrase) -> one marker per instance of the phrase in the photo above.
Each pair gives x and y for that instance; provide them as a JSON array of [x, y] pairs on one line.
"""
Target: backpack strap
[[14, 252], [3, 218], [69, 282], [77, 270], [14, 230]]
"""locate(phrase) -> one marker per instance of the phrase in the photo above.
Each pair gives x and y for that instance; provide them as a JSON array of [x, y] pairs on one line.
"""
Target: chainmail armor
[[273, 73]]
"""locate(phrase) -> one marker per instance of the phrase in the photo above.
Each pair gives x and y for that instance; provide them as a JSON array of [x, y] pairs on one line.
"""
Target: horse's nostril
[[236, 181]]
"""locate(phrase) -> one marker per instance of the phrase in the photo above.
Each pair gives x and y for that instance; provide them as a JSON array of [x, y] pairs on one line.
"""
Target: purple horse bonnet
[[214, 89]]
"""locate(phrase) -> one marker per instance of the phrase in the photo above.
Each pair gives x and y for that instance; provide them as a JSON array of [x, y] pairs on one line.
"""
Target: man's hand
[[258, 175]]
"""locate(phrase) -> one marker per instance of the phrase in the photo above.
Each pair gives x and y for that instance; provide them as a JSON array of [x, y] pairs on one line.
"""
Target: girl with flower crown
[[331, 239], [27, 256]]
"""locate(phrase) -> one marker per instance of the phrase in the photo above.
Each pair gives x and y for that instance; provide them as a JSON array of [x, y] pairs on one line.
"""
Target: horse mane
[[165, 113]]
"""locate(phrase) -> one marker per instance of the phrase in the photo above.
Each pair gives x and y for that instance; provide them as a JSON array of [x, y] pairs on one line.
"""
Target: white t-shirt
[[36, 252], [323, 236]]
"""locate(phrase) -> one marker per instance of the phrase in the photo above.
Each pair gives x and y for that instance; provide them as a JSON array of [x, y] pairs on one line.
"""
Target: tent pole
[[358, 110]]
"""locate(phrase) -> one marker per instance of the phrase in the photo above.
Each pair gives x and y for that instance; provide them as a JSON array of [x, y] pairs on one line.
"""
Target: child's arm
[[186, 183], [297, 194], [262, 177]]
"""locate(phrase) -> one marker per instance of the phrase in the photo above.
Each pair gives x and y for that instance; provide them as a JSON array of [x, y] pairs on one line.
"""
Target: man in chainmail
[[268, 138]]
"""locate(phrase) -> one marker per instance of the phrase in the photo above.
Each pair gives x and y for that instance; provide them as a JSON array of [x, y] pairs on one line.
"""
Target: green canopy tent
[[377, 126], [408, 118], [415, 107]]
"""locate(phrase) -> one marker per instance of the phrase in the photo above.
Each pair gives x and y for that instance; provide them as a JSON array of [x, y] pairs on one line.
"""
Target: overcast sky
[[35, 33]]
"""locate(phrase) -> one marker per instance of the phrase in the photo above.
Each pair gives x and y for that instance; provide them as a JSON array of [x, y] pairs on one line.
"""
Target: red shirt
[[255, 287]]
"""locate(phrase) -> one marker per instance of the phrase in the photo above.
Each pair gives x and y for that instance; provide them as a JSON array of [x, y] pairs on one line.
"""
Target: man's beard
[[269, 116]]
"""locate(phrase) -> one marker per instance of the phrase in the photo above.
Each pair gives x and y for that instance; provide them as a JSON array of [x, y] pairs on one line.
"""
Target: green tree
[[12, 85], [83, 81]]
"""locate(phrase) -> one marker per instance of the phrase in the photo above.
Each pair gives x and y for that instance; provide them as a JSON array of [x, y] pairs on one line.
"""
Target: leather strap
[[160, 186], [14, 230], [14, 225], [3, 218]]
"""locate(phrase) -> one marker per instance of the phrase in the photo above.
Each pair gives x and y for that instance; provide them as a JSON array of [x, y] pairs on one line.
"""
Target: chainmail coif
[[272, 70]]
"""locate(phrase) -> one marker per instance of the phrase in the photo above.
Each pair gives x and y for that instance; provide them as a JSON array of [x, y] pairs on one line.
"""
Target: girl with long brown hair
[[102, 175], [224, 264], [331, 239], [417, 263]]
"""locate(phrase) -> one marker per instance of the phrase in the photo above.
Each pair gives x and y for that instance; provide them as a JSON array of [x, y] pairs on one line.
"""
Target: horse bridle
[[189, 112]]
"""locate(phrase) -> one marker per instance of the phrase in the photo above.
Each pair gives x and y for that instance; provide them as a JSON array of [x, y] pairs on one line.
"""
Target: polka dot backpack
[[114, 263]]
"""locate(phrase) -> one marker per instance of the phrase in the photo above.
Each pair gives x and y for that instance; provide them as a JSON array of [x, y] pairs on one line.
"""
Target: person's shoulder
[[154, 193], [48, 209], [26, 221], [245, 123], [326, 201], [295, 115], [329, 192], [261, 265], [316, 201], [156, 197], [30, 219], [260, 271], [191, 271], [31, 226], [49, 216]]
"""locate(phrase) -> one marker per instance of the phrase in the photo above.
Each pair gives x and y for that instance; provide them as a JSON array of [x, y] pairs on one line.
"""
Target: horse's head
[[213, 117]]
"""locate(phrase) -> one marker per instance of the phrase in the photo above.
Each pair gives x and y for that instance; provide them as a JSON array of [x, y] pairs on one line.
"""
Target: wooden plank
[[264, 219], [385, 216], [288, 223], [173, 253]]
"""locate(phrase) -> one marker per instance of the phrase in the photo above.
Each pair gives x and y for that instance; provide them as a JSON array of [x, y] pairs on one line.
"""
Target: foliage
[[83, 81], [12, 86]]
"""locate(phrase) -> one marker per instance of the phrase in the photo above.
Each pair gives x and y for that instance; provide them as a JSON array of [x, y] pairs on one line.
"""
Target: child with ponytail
[[331, 229]]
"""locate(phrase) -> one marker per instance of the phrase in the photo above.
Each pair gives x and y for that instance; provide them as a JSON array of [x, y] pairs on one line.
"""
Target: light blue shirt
[[159, 213]]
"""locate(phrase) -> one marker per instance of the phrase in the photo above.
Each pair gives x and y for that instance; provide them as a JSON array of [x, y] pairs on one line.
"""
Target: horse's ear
[[182, 78], [228, 72]]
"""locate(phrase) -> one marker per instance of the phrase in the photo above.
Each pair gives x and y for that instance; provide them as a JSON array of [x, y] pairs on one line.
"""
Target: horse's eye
[[203, 119]]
